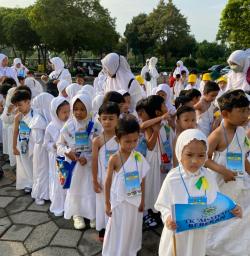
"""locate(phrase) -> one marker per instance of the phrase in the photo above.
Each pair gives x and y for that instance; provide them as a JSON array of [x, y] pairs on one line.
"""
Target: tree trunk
[[38, 55]]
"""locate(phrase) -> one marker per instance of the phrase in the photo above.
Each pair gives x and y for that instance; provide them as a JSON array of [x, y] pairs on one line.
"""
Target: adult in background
[[179, 68], [5, 71], [19, 68], [153, 75], [120, 77]]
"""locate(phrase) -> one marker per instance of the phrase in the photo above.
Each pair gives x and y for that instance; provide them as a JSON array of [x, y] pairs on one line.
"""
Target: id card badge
[[235, 163], [24, 131], [142, 146], [167, 148], [197, 200], [132, 183], [81, 142], [108, 153]]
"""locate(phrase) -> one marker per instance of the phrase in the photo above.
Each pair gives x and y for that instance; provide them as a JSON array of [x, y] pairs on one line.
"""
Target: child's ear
[[99, 119], [224, 113]]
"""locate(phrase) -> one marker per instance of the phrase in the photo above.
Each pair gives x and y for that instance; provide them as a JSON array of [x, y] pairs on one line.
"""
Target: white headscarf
[[238, 80], [2, 57], [87, 89], [85, 99], [42, 104], [62, 85], [180, 68], [58, 64], [165, 88], [17, 61], [7, 71], [35, 87], [152, 67], [185, 138], [72, 90], [97, 102]]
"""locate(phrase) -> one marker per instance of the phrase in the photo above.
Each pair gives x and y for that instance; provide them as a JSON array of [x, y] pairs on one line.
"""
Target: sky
[[203, 16]]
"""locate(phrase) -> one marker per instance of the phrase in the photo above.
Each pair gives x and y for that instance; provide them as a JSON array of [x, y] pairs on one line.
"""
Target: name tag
[[82, 142], [197, 200], [235, 163], [167, 148], [142, 146], [24, 131], [132, 184]]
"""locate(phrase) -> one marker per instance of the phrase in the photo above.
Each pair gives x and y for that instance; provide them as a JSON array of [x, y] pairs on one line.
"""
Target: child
[[205, 78], [227, 158], [222, 82], [60, 112], [103, 147], [23, 143], [179, 188], [61, 86], [205, 107], [192, 82], [124, 193], [193, 94], [127, 101], [184, 78], [72, 90], [75, 144], [178, 86], [80, 79], [115, 97]]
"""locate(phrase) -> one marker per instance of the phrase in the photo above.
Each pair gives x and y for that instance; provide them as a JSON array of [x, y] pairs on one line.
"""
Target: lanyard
[[186, 185], [226, 138]]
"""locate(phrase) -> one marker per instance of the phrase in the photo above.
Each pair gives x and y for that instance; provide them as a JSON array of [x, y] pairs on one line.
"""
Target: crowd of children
[[121, 163]]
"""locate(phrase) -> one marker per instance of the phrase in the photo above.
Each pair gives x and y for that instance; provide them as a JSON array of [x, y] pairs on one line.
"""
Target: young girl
[[124, 193], [75, 144], [179, 187], [40, 188], [60, 111], [103, 146]]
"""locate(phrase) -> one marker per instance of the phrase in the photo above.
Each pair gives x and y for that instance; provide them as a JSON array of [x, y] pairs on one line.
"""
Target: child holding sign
[[124, 193], [228, 146], [75, 144], [189, 183]]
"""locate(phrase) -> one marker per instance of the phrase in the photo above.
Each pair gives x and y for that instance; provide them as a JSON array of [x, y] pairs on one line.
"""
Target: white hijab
[[180, 68], [152, 67], [72, 90], [35, 87], [165, 88], [58, 64], [2, 57], [87, 89], [62, 85], [238, 80], [96, 103], [185, 138]]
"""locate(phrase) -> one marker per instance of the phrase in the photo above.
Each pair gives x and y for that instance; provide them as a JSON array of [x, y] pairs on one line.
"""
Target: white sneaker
[[79, 222], [39, 201], [92, 224], [59, 214]]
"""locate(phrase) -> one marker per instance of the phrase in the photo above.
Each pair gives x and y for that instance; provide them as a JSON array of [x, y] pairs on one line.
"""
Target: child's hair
[[126, 94], [193, 93], [80, 76], [20, 95], [178, 76], [64, 103], [10, 81], [127, 125], [113, 97], [109, 108], [23, 87], [183, 72], [184, 109], [154, 103], [141, 105], [211, 86], [233, 99], [181, 101], [30, 72], [4, 88], [20, 78]]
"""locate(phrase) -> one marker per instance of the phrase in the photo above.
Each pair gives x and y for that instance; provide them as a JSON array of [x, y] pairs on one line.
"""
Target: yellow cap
[[222, 79], [192, 78], [140, 79], [206, 77]]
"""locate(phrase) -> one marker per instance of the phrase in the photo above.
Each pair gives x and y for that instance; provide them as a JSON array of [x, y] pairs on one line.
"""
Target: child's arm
[[175, 161], [247, 166], [142, 204], [15, 134], [95, 151], [237, 211], [213, 142], [108, 182], [151, 137], [153, 121]]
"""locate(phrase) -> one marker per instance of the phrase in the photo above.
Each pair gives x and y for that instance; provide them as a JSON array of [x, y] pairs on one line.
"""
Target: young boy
[[227, 158], [102, 148], [205, 107], [192, 82], [22, 140], [80, 79]]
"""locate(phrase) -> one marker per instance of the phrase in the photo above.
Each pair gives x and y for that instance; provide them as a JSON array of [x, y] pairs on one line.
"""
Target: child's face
[[187, 121], [23, 106], [193, 155], [162, 111], [142, 115], [211, 96], [80, 80], [64, 113], [222, 85], [108, 121], [126, 104], [5, 62], [64, 93], [237, 117], [162, 94], [79, 111], [129, 141]]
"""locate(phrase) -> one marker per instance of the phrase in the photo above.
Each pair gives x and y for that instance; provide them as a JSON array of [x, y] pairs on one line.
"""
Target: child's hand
[[16, 151], [141, 207], [170, 224], [237, 211], [228, 175], [97, 187], [165, 117], [82, 160], [108, 209], [10, 108], [72, 156]]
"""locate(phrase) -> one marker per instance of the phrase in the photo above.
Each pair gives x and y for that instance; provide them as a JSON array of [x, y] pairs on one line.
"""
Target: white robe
[[123, 234], [188, 243], [232, 237], [101, 217]]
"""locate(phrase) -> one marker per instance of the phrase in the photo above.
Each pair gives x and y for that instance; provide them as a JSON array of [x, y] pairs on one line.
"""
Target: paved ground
[[27, 229]]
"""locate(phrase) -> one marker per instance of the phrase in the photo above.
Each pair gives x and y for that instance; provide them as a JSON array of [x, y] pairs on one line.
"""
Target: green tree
[[235, 24]]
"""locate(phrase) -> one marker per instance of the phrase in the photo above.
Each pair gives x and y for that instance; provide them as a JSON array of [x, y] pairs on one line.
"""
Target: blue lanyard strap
[[226, 138]]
